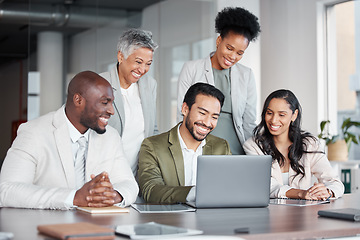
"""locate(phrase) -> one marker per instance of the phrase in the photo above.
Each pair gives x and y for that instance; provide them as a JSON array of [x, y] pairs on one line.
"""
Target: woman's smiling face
[[229, 50], [135, 66], [279, 116]]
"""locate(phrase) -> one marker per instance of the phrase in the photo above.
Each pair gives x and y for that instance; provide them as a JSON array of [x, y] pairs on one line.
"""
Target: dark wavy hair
[[237, 20], [298, 137]]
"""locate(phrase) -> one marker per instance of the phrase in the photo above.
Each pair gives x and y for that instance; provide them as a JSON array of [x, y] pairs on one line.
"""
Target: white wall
[[94, 49], [289, 53]]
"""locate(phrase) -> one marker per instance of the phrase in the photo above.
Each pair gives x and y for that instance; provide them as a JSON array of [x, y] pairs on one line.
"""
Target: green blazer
[[161, 166]]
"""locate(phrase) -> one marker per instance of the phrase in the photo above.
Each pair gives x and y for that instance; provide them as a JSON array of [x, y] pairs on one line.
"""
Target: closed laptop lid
[[233, 181]]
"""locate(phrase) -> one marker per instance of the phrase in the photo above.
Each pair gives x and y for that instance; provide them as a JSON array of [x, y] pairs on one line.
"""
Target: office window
[[342, 74], [345, 60]]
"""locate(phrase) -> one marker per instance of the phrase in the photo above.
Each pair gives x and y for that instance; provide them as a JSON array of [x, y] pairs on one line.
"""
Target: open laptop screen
[[233, 181]]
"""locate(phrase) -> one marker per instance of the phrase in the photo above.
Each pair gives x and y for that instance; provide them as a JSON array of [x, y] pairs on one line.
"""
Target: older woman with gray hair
[[134, 91]]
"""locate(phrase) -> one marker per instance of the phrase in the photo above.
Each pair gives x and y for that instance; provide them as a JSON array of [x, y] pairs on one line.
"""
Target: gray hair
[[133, 39]]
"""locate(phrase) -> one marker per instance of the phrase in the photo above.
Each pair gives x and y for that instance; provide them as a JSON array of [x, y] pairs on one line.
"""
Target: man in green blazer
[[168, 162]]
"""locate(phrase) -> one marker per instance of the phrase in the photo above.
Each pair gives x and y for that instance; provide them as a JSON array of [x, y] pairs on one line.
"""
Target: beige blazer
[[38, 171], [161, 166], [315, 164]]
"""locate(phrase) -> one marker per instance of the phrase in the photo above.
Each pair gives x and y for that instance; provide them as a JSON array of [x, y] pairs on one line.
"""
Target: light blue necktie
[[80, 163]]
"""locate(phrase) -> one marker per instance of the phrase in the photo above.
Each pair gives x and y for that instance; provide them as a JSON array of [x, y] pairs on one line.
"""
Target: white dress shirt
[[134, 130], [285, 178], [74, 136], [190, 165]]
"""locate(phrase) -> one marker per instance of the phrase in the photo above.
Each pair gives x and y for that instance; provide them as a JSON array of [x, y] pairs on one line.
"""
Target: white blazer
[[243, 92], [38, 170], [315, 164]]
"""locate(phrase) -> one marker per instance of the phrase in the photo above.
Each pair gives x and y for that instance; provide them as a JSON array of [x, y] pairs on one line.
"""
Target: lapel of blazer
[[176, 153], [276, 172], [208, 149], [208, 70], [63, 144], [118, 103], [144, 98], [236, 89]]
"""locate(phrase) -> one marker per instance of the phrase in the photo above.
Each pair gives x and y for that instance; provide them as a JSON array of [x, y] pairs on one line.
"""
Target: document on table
[[102, 210], [296, 202], [162, 208]]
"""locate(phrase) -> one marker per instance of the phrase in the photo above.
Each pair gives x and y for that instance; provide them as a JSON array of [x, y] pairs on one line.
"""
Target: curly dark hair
[[298, 137], [238, 20]]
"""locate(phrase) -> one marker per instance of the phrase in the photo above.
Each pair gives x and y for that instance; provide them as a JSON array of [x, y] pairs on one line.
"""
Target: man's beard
[[191, 130], [92, 124]]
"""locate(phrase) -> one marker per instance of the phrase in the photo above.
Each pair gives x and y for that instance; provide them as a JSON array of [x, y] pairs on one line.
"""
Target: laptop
[[232, 181]]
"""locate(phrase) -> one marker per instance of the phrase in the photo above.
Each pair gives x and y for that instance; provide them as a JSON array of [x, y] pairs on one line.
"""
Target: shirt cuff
[[69, 201], [122, 203]]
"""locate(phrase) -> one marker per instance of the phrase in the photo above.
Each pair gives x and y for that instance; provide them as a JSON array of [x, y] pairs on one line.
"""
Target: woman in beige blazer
[[134, 92], [297, 155]]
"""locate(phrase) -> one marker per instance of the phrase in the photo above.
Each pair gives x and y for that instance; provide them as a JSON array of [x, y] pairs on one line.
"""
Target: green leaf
[[345, 125], [347, 136], [323, 124], [350, 135]]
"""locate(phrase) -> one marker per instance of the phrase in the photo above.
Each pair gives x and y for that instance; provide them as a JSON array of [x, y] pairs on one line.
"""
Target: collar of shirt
[[190, 160], [183, 145], [133, 89], [74, 133]]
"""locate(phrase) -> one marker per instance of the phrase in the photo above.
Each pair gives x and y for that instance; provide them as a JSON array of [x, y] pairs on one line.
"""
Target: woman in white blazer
[[297, 155], [237, 27], [135, 92]]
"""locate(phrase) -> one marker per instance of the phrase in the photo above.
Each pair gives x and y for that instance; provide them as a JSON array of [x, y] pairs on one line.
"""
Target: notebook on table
[[79, 230], [232, 181], [352, 214]]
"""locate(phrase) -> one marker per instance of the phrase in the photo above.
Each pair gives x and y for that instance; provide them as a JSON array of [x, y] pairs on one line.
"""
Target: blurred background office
[[309, 46]]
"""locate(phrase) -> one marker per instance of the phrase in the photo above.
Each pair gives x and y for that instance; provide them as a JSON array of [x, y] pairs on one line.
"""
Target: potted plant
[[339, 145]]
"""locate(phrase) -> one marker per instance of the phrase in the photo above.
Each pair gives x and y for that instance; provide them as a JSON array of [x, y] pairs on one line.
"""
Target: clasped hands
[[317, 192], [98, 192]]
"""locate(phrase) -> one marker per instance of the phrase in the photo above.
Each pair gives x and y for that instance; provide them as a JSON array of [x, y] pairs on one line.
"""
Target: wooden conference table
[[273, 222]]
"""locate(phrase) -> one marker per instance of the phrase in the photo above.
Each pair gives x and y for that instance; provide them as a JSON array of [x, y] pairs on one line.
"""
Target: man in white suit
[[39, 169]]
